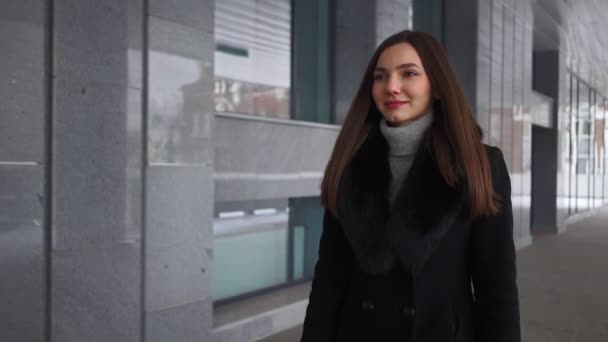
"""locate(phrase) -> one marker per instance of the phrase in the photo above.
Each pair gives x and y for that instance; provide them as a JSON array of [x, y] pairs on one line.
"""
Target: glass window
[[266, 232], [582, 147], [253, 57], [598, 151], [563, 177], [583, 127], [280, 235], [581, 166], [572, 152], [242, 234], [311, 61]]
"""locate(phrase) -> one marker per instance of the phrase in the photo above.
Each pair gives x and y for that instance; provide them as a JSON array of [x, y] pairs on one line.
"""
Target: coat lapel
[[410, 230]]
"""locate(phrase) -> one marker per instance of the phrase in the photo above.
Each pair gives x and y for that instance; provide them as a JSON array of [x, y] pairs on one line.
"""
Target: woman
[[417, 240]]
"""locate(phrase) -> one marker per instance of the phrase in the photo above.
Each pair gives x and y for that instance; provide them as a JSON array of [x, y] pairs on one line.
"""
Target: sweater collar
[[404, 140]]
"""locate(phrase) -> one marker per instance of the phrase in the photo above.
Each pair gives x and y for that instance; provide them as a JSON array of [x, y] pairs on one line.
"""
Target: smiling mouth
[[395, 104]]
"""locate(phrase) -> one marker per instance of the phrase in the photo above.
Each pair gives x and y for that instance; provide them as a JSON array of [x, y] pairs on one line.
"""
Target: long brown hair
[[454, 136]]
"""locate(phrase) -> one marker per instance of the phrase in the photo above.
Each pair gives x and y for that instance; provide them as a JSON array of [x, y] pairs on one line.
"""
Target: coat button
[[409, 311], [367, 305]]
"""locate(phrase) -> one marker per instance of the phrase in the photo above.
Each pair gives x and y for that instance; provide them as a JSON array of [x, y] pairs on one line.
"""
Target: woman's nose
[[393, 86]]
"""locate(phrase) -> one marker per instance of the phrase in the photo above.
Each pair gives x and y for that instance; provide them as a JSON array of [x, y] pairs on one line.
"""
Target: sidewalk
[[564, 284]]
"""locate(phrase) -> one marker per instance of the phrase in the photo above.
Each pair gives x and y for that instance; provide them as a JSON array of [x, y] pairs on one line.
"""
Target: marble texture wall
[[269, 159], [179, 182], [22, 277], [108, 278], [96, 259], [22, 143]]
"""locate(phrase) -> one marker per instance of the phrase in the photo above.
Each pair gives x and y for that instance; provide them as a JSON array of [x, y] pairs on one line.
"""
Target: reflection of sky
[[168, 74]]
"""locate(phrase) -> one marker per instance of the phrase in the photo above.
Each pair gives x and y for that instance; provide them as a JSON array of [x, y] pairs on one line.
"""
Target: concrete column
[[179, 184], [96, 263]]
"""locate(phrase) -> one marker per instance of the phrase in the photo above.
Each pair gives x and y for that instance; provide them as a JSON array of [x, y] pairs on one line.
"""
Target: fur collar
[[424, 210]]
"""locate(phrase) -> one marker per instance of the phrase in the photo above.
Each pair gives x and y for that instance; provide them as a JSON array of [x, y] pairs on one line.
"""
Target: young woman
[[417, 242]]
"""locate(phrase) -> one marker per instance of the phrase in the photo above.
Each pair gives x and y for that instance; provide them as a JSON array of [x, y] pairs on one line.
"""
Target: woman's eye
[[409, 74], [378, 77]]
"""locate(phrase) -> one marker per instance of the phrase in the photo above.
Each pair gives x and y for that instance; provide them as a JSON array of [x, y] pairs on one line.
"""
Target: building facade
[[160, 160]]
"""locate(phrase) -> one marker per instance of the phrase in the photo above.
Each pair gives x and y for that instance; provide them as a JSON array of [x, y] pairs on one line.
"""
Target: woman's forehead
[[398, 56]]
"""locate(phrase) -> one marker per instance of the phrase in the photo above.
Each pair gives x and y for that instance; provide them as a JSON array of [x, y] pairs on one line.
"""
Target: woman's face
[[401, 88]]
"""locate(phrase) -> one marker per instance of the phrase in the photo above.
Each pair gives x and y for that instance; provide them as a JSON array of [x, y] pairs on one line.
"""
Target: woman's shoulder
[[491, 149], [494, 154], [498, 166]]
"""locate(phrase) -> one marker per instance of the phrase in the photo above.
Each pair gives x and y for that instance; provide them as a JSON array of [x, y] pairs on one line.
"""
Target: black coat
[[419, 271]]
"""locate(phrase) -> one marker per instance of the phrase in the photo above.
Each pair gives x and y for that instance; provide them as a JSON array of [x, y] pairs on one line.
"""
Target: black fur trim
[[424, 210]]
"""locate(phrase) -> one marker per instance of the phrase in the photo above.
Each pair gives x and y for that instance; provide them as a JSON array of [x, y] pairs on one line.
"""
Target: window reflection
[[587, 150], [253, 57], [249, 98]]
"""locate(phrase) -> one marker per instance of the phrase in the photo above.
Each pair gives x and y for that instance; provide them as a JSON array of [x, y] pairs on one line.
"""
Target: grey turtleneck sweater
[[403, 142]]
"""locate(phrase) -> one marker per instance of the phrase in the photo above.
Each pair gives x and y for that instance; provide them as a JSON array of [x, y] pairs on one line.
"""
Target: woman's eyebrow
[[400, 66]]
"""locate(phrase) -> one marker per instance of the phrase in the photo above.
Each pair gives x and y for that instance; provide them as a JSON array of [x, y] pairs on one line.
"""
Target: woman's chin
[[397, 120]]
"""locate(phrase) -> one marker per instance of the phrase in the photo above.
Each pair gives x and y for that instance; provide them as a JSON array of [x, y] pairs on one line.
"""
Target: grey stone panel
[[90, 164], [169, 324], [22, 112], [97, 49], [22, 87], [261, 159], [96, 293], [96, 263], [21, 253], [179, 242], [247, 331], [192, 13], [181, 40]]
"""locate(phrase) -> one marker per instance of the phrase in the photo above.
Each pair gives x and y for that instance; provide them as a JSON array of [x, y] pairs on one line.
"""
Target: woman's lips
[[394, 104]]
